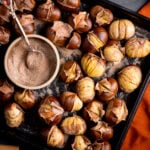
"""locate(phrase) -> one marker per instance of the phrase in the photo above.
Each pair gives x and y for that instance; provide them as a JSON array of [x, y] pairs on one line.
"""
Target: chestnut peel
[[137, 47], [4, 35], [50, 110], [93, 65], [6, 90], [27, 22], [4, 15], [116, 111], [54, 137], [85, 89], [59, 32], [102, 131], [101, 145], [70, 101], [121, 29], [25, 98], [101, 15], [25, 5], [74, 125], [70, 5], [94, 111], [106, 89], [70, 72], [129, 78], [14, 115], [95, 40], [48, 11], [81, 142]]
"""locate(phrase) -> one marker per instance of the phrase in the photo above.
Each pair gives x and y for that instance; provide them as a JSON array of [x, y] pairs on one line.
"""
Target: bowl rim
[[51, 79]]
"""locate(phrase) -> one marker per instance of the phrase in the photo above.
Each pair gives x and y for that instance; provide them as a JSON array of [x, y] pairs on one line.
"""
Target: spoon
[[33, 56]]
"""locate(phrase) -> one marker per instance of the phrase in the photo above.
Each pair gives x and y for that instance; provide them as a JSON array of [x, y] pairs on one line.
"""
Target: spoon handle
[[19, 25]]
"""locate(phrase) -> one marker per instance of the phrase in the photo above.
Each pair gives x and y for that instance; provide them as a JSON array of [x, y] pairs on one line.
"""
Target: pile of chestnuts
[[81, 119]]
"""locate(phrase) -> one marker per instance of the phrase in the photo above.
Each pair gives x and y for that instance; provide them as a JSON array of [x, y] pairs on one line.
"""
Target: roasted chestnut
[[106, 89], [59, 32], [25, 5], [116, 111], [81, 22], [6, 90], [93, 65], [99, 145], [27, 22], [113, 52], [94, 111], [25, 98], [95, 40], [70, 101], [70, 72], [137, 47], [129, 78], [50, 110], [74, 125], [74, 41], [53, 137], [4, 15], [48, 11], [101, 15], [71, 5], [85, 89], [121, 29], [14, 115], [102, 131], [4, 35], [81, 142]]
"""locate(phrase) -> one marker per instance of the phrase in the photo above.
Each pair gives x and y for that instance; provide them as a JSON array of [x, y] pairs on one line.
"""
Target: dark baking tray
[[28, 134]]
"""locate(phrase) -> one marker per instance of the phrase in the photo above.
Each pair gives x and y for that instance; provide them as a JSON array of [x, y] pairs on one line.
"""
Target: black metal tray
[[28, 134]]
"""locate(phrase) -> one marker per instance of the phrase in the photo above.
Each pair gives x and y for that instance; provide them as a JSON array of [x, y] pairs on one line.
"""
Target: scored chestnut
[[14, 115], [25, 98], [116, 111], [48, 11], [4, 35], [81, 22], [70, 72], [101, 15], [102, 131], [27, 22], [101, 145], [53, 137], [25, 5], [50, 110], [6, 90], [106, 89], [94, 111], [69, 5], [95, 40]]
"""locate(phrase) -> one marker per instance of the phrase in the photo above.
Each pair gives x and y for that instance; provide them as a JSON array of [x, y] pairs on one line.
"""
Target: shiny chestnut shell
[[70, 5], [101, 37], [4, 15]]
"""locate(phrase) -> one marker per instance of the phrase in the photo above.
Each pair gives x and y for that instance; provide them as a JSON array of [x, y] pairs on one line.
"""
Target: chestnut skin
[[4, 35], [4, 15], [6, 90], [50, 110], [69, 5], [101, 145], [106, 89], [95, 39]]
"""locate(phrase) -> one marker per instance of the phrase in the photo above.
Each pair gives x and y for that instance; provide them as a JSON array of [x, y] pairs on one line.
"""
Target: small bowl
[[44, 72]]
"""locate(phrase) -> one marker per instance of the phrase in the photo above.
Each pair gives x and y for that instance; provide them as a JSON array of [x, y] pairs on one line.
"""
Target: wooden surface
[[8, 147]]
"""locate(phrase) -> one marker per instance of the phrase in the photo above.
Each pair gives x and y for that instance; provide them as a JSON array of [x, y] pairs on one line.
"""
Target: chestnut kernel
[[106, 89], [70, 72], [6, 90], [74, 125], [101, 145], [25, 98], [50, 110], [14, 115], [116, 111], [102, 131]]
